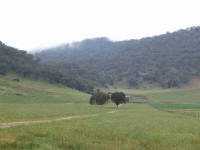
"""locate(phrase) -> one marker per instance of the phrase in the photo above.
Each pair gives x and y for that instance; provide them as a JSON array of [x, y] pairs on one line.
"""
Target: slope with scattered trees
[[25, 65], [171, 59]]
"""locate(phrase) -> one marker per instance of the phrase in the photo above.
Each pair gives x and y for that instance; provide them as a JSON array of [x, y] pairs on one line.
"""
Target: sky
[[35, 24]]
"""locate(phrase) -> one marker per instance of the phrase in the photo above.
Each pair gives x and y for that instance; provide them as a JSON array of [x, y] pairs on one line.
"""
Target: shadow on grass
[[123, 107]]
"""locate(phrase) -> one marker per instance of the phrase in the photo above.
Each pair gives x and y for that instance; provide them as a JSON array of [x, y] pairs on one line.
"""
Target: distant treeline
[[25, 65], [171, 59]]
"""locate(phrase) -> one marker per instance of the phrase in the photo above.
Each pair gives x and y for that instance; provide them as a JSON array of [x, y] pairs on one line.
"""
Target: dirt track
[[12, 124]]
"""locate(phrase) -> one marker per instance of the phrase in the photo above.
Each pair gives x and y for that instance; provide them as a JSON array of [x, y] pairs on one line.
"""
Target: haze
[[35, 24]]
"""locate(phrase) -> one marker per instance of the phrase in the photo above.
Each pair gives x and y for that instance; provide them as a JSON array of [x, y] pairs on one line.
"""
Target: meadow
[[138, 127], [40, 100], [169, 98], [130, 127]]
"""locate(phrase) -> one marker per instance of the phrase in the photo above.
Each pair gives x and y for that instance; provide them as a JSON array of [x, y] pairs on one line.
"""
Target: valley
[[132, 126]]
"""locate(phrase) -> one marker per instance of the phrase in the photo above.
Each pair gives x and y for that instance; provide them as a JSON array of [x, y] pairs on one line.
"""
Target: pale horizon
[[35, 24]]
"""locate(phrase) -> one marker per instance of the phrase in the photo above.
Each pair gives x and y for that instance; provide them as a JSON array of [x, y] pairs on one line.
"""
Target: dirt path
[[13, 124]]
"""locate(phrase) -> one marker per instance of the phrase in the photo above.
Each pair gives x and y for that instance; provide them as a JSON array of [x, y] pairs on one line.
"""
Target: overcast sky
[[31, 24]]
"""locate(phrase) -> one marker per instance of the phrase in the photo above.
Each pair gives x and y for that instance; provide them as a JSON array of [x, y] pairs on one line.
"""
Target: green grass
[[184, 98], [37, 92], [171, 106], [40, 101], [22, 112], [132, 127], [176, 99]]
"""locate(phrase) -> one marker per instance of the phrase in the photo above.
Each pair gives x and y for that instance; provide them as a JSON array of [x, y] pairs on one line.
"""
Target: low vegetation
[[133, 126], [34, 100]]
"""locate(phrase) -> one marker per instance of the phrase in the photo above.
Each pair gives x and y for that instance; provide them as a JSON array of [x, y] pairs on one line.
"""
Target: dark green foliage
[[99, 98], [93, 100], [118, 98], [16, 79], [26, 65], [3, 68], [173, 83], [171, 57], [133, 82], [17, 61]]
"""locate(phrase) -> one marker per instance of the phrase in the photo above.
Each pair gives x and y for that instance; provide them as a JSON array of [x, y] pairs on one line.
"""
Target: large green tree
[[118, 98]]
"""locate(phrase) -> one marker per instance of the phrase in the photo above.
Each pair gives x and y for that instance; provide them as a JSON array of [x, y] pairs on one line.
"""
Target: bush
[[99, 98]]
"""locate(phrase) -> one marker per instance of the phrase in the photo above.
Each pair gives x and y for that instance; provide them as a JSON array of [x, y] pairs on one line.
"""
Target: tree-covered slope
[[171, 59], [25, 65]]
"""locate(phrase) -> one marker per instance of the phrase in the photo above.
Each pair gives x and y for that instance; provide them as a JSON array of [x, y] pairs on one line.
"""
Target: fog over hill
[[171, 59]]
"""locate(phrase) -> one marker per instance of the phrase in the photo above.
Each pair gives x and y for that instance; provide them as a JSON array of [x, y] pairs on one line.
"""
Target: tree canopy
[[99, 98], [118, 98]]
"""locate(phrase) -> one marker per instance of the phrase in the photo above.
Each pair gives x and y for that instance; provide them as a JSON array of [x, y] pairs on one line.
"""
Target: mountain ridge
[[169, 59]]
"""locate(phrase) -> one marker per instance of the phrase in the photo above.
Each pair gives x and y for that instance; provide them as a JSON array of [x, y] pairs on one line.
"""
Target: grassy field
[[131, 127], [40, 101], [37, 92], [184, 98]]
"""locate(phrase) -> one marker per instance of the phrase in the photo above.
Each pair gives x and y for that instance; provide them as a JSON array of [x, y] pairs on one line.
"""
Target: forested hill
[[25, 65], [171, 59]]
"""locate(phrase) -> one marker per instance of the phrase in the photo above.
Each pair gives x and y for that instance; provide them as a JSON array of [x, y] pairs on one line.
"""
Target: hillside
[[26, 66], [39, 100], [171, 59]]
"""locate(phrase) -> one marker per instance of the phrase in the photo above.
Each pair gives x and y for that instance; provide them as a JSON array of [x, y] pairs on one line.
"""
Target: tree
[[99, 98], [118, 98]]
